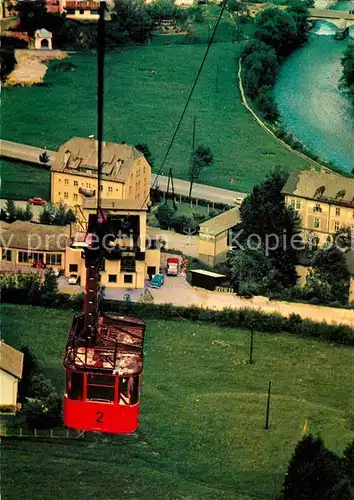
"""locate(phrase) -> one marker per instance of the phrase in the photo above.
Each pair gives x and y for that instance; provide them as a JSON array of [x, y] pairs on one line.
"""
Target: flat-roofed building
[[133, 256]]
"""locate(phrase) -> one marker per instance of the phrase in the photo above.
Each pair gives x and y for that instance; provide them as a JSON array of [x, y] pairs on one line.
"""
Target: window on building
[[110, 189], [317, 208], [151, 270], [112, 278], [66, 182], [76, 183], [75, 385], [82, 12], [100, 387], [6, 255], [38, 257], [292, 204], [128, 265], [73, 268], [128, 278], [316, 222], [298, 205], [337, 211], [53, 259], [66, 194], [23, 256], [75, 197], [101, 187], [336, 226]]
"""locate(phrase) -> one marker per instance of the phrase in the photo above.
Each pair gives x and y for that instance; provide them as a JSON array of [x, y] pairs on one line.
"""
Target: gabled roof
[[43, 33], [11, 360], [78, 156], [321, 185], [28, 235], [222, 222]]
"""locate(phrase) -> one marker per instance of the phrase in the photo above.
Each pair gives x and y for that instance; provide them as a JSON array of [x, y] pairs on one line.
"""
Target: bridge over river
[[340, 18]]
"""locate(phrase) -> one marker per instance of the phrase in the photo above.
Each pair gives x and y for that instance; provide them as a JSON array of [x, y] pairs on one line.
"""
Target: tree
[[331, 271], [10, 210], [47, 215], [28, 212], [266, 103], [348, 462], [199, 159], [29, 370], [59, 216], [165, 215], [312, 472], [266, 222], [260, 70], [144, 148], [250, 271], [49, 288], [133, 17], [347, 77], [315, 473], [69, 218], [278, 29]]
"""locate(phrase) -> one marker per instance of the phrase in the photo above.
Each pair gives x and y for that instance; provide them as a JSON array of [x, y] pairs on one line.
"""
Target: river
[[311, 105]]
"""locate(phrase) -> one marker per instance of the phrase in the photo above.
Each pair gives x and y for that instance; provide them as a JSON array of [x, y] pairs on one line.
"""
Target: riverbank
[[31, 66]]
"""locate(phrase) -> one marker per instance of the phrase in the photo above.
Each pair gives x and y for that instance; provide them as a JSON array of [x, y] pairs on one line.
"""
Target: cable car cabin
[[103, 381]]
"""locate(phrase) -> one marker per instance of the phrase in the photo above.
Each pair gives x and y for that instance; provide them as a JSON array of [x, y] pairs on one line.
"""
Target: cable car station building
[[125, 194]]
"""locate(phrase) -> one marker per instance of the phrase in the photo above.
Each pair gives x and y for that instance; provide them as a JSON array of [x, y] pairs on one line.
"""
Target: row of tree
[[347, 78], [50, 214], [277, 33]]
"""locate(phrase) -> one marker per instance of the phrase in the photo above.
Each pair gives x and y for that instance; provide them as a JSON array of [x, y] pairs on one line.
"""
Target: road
[[31, 154]]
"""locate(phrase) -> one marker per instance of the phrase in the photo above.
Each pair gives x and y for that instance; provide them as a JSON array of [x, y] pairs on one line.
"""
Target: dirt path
[[31, 68]]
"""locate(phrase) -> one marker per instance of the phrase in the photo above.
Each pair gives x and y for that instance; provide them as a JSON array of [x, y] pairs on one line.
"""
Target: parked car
[[73, 279], [157, 281], [37, 201]]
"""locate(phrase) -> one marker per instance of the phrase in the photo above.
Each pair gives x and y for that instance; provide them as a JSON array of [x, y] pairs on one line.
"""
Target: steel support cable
[[188, 100]]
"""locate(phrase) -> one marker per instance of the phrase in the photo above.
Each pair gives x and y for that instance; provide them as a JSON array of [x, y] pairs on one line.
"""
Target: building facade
[[125, 173], [11, 365], [323, 200], [213, 239], [25, 244]]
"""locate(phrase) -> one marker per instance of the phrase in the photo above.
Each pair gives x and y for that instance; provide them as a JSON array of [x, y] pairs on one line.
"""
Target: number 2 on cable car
[[99, 418]]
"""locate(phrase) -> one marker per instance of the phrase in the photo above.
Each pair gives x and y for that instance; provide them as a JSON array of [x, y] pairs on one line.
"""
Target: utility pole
[[251, 346], [268, 406]]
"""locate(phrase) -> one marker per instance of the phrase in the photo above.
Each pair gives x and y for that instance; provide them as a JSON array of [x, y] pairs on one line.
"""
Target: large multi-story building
[[124, 193], [323, 200], [125, 173]]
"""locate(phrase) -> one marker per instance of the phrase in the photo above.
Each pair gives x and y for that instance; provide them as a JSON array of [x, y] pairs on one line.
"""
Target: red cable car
[[104, 353], [103, 380]]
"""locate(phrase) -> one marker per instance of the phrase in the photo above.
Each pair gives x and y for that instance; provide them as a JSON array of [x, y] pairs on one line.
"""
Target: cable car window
[[129, 390], [75, 385], [100, 387]]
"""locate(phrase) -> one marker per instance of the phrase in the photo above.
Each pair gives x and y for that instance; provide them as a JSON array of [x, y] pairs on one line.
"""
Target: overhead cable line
[[189, 98]]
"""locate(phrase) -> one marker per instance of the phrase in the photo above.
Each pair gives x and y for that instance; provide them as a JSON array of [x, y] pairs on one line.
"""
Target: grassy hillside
[[201, 433], [144, 107], [20, 181]]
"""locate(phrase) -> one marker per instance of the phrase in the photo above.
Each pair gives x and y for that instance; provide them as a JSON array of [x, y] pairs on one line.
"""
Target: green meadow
[[146, 88], [201, 433]]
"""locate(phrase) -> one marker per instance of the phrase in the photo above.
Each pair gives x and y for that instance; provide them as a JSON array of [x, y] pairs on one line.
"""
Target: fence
[[23, 433]]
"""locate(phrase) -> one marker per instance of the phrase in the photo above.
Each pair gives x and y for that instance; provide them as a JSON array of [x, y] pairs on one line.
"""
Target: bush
[[49, 288]]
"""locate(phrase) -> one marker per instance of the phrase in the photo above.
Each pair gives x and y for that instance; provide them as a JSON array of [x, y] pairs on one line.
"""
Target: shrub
[[49, 288]]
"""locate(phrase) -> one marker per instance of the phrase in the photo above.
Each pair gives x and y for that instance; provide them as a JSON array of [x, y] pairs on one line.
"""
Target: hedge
[[234, 318]]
